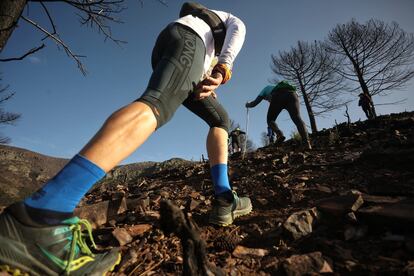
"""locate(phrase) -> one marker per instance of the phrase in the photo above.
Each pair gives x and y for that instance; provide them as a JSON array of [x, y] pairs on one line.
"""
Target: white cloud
[[34, 60]]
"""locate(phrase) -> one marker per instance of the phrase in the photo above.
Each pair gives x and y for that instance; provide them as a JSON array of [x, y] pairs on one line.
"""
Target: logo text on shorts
[[188, 52]]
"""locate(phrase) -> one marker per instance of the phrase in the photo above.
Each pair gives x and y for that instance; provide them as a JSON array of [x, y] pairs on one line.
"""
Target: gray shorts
[[177, 62]]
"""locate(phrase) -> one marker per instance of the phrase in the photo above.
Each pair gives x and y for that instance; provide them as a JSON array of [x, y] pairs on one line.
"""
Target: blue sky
[[62, 109]]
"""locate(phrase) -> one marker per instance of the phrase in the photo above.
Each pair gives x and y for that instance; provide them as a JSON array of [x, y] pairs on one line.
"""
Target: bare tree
[[264, 139], [312, 70], [6, 118], [11, 11], [97, 14], [376, 55], [250, 146], [346, 114]]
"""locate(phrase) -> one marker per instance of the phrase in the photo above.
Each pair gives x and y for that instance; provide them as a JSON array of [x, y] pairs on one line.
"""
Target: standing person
[[40, 235], [282, 96], [365, 102], [235, 137]]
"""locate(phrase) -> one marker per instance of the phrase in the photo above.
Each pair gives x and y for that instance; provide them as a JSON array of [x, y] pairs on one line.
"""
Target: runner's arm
[[235, 35], [255, 102]]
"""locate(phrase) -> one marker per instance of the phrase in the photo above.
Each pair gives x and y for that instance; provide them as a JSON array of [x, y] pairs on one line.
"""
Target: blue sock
[[220, 178], [64, 191]]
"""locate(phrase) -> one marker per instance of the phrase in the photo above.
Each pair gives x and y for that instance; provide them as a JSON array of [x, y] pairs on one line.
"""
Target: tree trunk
[[361, 81], [312, 119], [10, 11], [365, 89], [373, 110]]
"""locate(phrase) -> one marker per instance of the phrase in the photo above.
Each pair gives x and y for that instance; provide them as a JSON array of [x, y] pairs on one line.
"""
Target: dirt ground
[[345, 207]]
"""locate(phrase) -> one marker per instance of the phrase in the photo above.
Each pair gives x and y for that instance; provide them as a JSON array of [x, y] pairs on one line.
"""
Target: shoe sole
[[118, 261], [14, 256], [280, 141], [228, 219], [12, 271], [17, 255]]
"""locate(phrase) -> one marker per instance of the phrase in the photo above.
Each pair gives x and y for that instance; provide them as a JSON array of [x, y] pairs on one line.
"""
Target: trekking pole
[[247, 132]]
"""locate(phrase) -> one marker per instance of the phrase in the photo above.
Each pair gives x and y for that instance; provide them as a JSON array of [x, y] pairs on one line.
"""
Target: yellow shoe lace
[[79, 240]]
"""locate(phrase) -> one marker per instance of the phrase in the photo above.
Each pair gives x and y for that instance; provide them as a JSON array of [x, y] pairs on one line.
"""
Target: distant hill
[[23, 171]]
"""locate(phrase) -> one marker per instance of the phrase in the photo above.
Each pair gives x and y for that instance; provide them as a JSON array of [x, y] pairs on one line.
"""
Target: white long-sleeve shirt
[[235, 34]]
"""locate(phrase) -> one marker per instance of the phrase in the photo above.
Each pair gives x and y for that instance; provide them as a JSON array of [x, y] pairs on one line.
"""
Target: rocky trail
[[346, 207]]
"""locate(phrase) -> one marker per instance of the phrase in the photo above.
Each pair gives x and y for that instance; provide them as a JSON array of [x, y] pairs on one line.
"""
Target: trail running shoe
[[308, 145], [30, 249], [225, 210], [280, 139]]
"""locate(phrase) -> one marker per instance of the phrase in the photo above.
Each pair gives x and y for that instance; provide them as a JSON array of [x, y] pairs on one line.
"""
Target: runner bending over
[[282, 96]]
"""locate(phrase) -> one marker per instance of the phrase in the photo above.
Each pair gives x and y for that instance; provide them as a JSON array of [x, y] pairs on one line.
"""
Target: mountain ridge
[[23, 171]]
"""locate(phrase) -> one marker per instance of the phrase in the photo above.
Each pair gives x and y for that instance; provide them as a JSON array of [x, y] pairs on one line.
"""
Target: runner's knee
[[221, 121], [161, 112]]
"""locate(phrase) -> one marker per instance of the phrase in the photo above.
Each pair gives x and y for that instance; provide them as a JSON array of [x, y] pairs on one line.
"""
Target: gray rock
[[301, 223], [307, 264]]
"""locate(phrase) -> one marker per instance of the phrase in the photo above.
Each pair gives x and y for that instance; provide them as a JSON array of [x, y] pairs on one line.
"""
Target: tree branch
[[393, 103], [50, 20], [30, 52], [59, 42]]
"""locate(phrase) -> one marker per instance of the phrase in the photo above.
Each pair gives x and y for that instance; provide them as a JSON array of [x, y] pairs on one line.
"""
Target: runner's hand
[[206, 87]]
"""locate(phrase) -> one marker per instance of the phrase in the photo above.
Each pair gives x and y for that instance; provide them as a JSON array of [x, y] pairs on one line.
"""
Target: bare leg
[[217, 146], [122, 133], [228, 205]]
